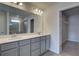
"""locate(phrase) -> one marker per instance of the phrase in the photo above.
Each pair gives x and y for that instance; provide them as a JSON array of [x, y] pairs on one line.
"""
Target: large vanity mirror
[[18, 24], [15, 21]]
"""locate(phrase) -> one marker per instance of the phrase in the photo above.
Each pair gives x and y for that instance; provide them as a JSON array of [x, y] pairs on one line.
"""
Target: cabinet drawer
[[24, 42], [48, 37], [9, 46], [25, 50], [35, 39], [35, 53], [43, 37], [35, 45], [12, 52]]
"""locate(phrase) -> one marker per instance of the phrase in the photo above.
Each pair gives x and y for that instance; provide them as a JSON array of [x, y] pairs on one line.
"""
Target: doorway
[[70, 31], [32, 25]]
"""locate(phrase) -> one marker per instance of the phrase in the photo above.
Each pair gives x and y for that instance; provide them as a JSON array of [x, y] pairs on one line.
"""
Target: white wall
[[73, 28]]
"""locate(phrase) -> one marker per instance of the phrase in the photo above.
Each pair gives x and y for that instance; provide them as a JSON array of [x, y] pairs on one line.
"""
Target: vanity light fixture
[[37, 11], [41, 12], [20, 3]]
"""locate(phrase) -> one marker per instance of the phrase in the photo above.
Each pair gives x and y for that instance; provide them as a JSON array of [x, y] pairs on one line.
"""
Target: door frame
[[60, 27]]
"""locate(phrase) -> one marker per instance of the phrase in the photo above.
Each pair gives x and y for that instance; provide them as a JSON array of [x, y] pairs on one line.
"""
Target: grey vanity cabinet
[[43, 44], [24, 47], [25, 50], [9, 49], [35, 46], [35, 49], [47, 42], [35, 53], [12, 52]]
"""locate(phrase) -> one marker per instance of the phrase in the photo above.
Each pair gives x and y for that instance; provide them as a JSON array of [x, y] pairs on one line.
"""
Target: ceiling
[[42, 5]]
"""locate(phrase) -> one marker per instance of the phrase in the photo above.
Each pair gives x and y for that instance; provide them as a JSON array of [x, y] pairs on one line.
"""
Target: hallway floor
[[69, 49]]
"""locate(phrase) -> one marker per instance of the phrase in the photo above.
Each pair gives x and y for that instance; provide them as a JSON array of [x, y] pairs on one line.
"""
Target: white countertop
[[9, 38]]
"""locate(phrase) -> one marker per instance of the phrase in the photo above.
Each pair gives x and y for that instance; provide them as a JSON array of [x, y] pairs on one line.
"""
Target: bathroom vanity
[[31, 46], [19, 33]]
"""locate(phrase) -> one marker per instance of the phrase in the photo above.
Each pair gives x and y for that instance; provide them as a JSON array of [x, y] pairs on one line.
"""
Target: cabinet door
[[25, 50], [42, 46], [35, 53], [12, 52], [35, 46], [47, 44], [8, 46]]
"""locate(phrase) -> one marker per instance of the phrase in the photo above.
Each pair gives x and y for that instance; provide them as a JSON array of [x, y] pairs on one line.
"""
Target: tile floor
[[69, 49]]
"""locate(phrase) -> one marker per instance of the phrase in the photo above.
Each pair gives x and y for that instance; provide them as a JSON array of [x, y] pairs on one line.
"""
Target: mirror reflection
[[18, 24], [15, 21]]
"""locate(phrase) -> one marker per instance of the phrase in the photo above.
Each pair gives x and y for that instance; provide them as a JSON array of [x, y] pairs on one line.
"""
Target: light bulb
[[20, 3], [39, 11], [36, 10]]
